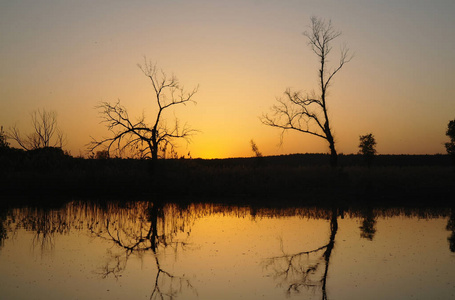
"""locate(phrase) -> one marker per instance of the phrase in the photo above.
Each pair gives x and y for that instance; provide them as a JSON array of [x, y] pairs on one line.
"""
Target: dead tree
[[309, 113], [45, 132], [146, 139]]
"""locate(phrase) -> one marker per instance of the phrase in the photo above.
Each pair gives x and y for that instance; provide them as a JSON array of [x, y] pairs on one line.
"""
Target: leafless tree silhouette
[[146, 139], [309, 113], [45, 132]]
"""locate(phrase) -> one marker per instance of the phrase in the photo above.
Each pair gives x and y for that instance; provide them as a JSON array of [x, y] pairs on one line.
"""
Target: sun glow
[[243, 55]]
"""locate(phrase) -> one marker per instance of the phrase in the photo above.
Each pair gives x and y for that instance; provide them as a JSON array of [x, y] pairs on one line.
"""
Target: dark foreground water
[[142, 250]]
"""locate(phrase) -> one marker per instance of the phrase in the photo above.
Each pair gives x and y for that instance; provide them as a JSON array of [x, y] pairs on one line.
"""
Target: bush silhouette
[[450, 146], [367, 147]]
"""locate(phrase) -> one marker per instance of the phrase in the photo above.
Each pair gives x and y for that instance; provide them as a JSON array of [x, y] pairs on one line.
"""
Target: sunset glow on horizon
[[68, 56]]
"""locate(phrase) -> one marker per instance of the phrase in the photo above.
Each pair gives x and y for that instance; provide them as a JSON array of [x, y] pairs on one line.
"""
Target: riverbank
[[301, 179]]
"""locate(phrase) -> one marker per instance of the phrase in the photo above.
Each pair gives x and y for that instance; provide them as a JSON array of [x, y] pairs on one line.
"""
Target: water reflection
[[3, 226], [169, 241], [143, 229], [306, 269], [368, 228], [451, 227]]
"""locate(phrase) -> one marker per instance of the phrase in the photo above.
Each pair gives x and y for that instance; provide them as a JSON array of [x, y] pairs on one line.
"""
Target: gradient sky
[[68, 56]]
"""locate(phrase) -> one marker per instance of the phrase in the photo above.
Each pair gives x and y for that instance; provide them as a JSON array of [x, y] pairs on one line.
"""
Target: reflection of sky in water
[[211, 252]]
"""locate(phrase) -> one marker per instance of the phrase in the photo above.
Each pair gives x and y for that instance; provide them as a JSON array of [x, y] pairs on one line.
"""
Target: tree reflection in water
[[451, 227], [150, 230], [145, 229], [368, 228], [134, 228], [43, 222], [4, 226], [306, 269]]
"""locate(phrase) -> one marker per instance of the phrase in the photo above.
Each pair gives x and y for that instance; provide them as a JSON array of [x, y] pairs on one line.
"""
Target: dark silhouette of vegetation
[[450, 146], [255, 149], [299, 271], [103, 154], [46, 132], [149, 234], [367, 147], [368, 228], [298, 179], [451, 227], [3, 140], [136, 229], [140, 138], [3, 225], [309, 113]]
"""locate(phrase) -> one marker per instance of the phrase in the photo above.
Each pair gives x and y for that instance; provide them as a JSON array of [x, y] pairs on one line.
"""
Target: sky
[[68, 56]]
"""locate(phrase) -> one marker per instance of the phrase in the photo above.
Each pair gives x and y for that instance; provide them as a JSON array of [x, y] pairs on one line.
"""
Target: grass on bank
[[292, 178]]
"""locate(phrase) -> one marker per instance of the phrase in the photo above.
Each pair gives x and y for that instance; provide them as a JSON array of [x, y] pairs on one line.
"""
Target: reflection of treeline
[[170, 219], [82, 215], [296, 178]]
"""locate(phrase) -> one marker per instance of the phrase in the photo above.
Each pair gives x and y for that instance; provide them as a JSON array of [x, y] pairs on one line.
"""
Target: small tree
[[309, 113], [140, 137], [450, 146], [367, 147], [255, 149], [103, 154], [3, 139], [45, 132]]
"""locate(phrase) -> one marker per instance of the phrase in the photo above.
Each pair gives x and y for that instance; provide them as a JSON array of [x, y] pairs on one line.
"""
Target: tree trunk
[[329, 137], [154, 153], [154, 145], [333, 154]]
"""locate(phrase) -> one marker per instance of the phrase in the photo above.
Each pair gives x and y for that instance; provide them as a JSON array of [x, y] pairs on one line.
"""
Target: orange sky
[[68, 56]]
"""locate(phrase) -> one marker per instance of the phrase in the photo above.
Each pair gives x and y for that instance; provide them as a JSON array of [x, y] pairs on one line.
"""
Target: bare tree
[[147, 140], [309, 113], [45, 132]]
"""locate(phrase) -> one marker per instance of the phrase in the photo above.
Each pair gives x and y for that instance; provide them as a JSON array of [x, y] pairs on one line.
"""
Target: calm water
[[145, 251]]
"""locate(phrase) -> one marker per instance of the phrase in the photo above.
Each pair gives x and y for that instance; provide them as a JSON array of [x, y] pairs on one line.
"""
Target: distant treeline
[[301, 178], [317, 159]]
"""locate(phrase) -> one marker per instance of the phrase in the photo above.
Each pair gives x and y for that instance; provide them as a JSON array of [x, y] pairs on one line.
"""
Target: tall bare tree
[[144, 138], [46, 132], [309, 113]]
